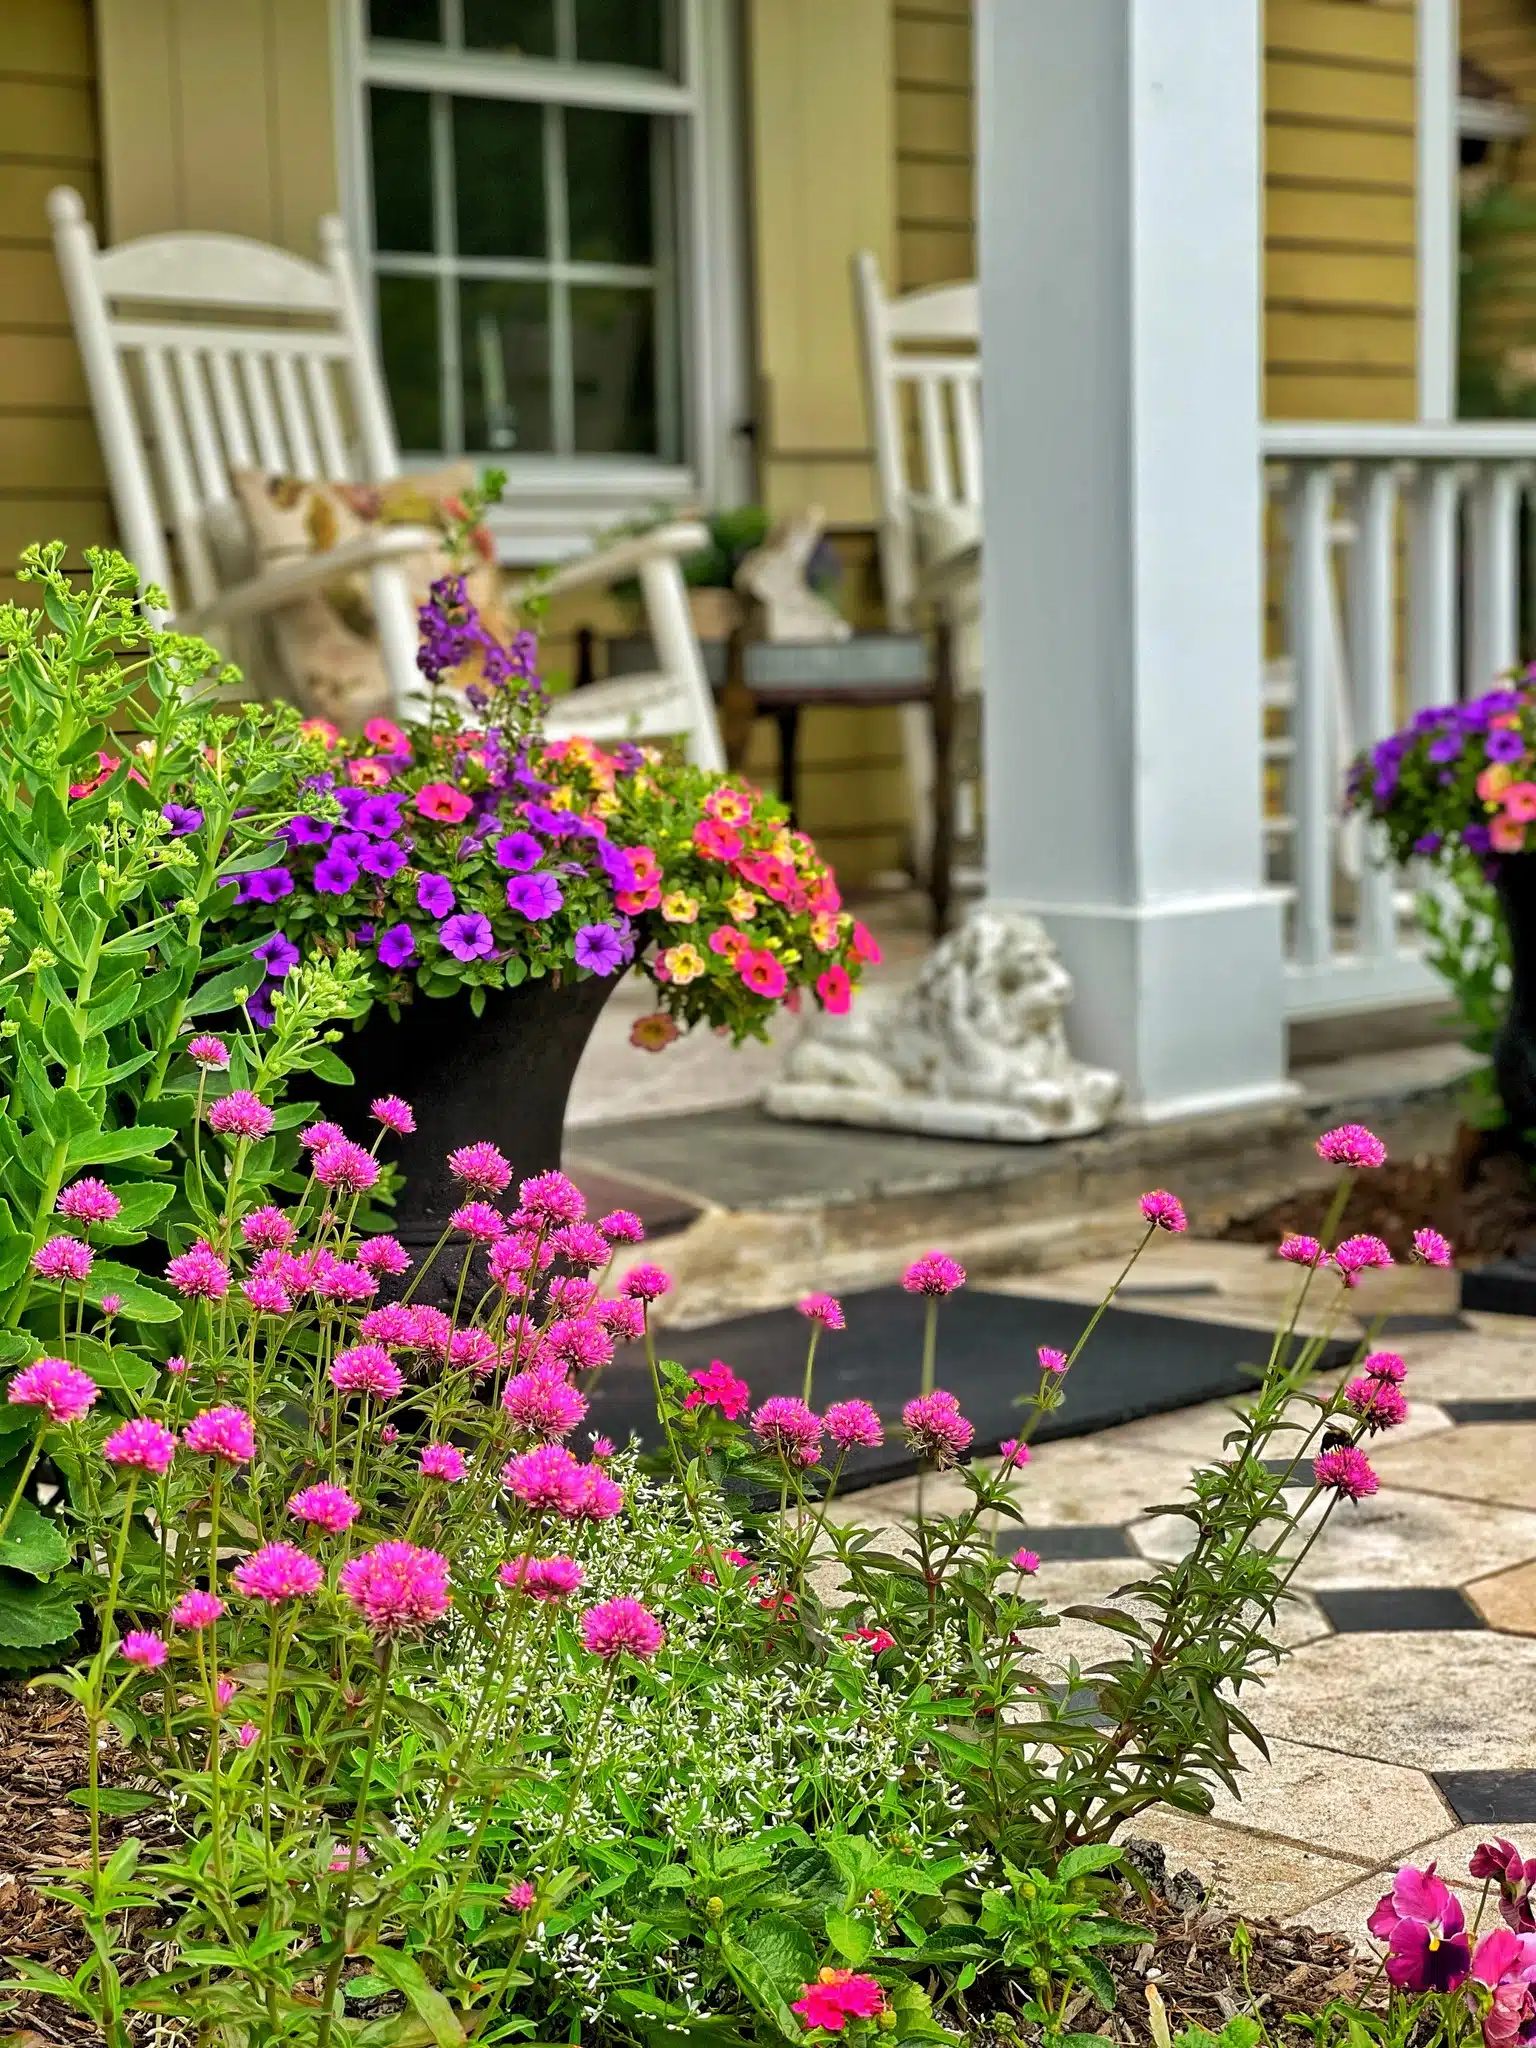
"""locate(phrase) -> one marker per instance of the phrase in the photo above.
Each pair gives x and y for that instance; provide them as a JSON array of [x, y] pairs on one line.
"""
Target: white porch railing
[[1390, 533]]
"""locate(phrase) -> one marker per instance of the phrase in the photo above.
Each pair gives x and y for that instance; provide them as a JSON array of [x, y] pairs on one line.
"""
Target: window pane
[[402, 169], [613, 355], [405, 21], [504, 331], [621, 32], [608, 180], [408, 345], [517, 28], [498, 171]]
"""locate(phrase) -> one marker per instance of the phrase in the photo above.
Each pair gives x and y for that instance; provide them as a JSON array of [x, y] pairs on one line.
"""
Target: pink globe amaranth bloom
[[267, 1296], [519, 1897], [1506, 1962], [603, 1448], [645, 1283], [247, 1735], [276, 1573], [1347, 1470], [624, 1320], [838, 1996], [598, 1498], [1357, 1255], [1351, 1145], [622, 1226], [367, 1369], [345, 1165], [511, 1260], [343, 1280], [208, 1052], [1012, 1453], [330, 1508], [444, 1462], [397, 1587], [110, 1304], [223, 1692], [1299, 1250], [394, 1113], [540, 1403], [199, 1274], [853, 1425], [1164, 1211], [1385, 1365], [545, 1478], [716, 1386], [432, 1331], [480, 1167], [553, 1198], [1421, 1922], [542, 1578], [825, 1309], [395, 1324], [143, 1647], [936, 1273], [1431, 1249], [1026, 1561], [60, 1389], [1377, 1403], [315, 1135], [63, 1258], [140, 1446], [578, 1344], [226, 1433], [384, 1255], [573, 1296], [240, 1114], [1050, 1359], [581, 1245], [479, 1222], [474, 1348], [935, 1428], [267, 1230], [177, 1366], [784, 1424], [197, 1609], [616, 1628], [88, 1201], [1514, 1875]]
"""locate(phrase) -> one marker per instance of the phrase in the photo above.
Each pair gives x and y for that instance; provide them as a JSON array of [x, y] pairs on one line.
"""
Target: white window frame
[[555, 505]]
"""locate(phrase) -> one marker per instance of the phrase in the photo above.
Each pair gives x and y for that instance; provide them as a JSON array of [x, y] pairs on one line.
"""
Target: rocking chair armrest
[[614, 564], [291, 580]]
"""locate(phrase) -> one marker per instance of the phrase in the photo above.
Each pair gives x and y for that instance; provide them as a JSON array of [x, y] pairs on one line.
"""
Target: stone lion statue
[[975, 1048]]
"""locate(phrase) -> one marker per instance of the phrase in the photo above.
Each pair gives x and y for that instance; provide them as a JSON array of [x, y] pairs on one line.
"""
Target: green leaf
[[142, 1202], [32, 1544], [105, 1148], [853, 1939], [1089, 1856], [33, 1616], [784, 1949], [221, 991], [1096, 1977], [118, 1800], [62, 1039], [758, 1983], [112, 1365], [427, 2003], [142, 1302]]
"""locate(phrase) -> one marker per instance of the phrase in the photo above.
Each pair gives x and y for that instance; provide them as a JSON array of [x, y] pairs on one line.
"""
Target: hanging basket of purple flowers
[[1461, 778]]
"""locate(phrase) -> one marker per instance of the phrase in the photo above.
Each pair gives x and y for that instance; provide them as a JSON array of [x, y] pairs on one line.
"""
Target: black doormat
[[1504, 1287], [1136, 1363]]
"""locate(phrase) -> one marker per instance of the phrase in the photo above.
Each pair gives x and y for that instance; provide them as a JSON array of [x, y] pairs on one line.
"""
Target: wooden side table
[[785, 676]]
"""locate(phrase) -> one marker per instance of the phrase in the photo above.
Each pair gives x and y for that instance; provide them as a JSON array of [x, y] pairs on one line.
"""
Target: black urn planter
[[504, 1075], [1514, 1052]]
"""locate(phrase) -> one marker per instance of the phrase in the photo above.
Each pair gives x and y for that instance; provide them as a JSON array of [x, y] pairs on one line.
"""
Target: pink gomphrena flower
[[61, 1390], [481, 1167], [394, 1113], [267, 1230], [1299, 1250], [624, 1320], [225, 1433], [394, 1323], [510, 1262], [367, 1369], [1347, 1470], [622, 1226], [1385, 1365], [208, 1052], [444, 1462], [474, 1348], [716, 1386], [197, 1609], [247, 1735], [936, 1273], [581, 1245], [578, 1343], [598, 1498], [1012, 1453], [343, 1280], [240, 1114], [548, 1477], [1026, 1561], [519, 1897], [1378, 1403], [540, 1403], [479, 1222], [389, 1435], [143, 1647], [603, 1448], [321, 1133], [343, 1860], [88, 1201], [615, 1628], [1357, 1255], [110, 1304], [224, 1691], [63, 1258], [384, 1256], [330, 1508], [1050, 1359], [1164, 1211], [397, 1588], [199, 1274], [542, 1578], [432, 1331], [853, 1425], [936, 1429], [177, 1366], [825, 1309], [1351, 1145], [345, 1165], [571, 1295], [645, 1283], [277, 1572], [784, 1424], [1431, 1249], [140, 1446], [266, 1295], [553, 1198]]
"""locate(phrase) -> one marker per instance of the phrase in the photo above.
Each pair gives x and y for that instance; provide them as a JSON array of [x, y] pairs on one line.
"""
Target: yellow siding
[[935, 143], [1501, 36]]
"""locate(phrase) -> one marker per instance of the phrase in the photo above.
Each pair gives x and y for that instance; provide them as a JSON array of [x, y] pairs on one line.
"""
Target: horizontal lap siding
[[935, 143], [1501, 36]]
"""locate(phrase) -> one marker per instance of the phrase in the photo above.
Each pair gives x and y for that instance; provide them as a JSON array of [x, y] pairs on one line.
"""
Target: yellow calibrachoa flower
[[783, 844], [680, 907], [824, 932], [605, 805], [684, 963], [741, 906], [562, 797]]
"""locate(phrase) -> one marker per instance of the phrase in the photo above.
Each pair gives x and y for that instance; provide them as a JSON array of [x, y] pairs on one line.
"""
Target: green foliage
[[1467, 944]]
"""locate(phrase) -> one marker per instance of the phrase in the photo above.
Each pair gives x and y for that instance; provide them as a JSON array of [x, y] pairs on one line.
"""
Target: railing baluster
[[1493, 642], [1309, 510], [1373, 668], [1432, 587]]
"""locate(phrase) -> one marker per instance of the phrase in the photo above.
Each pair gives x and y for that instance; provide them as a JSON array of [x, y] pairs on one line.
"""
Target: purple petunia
[[264, 885], [1476, 838], [182, 819], [335, 875], [351, 845], [599, 948], [385, 859], [397, 946], [277, 953], [468, 936], [1504, 745], [379, 816], [434, 893], [616, 865], [517, 852], [1446, 746], [306, 831], [534, 896], [258, 1007]]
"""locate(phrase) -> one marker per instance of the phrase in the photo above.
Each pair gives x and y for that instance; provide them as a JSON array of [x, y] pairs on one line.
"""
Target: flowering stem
[[354, 1844], [20, 1488], [810, 1361]]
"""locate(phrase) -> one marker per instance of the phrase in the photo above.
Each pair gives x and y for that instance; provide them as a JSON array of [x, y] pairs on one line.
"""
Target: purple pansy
[[468, 936], [385, 859], [335, 875], [517, 852], [397, 946], [599, 948], [534, 896], [277, 953], [182, 819], [434, 894]]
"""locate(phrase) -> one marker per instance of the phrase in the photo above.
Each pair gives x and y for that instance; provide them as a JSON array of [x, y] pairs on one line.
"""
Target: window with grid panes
[[524, 158]]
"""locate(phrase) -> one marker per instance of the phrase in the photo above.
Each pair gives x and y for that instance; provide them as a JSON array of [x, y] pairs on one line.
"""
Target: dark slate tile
[[1361, 1610], [1422, 1325], [1513, 1410], [1278, 1467], [1068, 1541], [1481, 1798]]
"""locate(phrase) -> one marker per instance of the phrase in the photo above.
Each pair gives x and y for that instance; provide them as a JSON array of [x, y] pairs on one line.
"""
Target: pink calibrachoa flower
[[549, 1477], [267, 1229], [226, 1433], [208, 1052], [330, 1508], [1378, 1403], [623, 1226], [1299, 1250], [441, 802], [88, 1201], [936, 1273], [1347, 1470], [199, 1274], [785, 1424], [541, 1403], [1351, 1145], [853, 1425], [836, 1997], [444, 1462], [384, 1255], [1385, 1365], [397, 1587], [61, 1390], [240, 1114], [140, 1446], [63, 1258], [1421, 1922], [542, 1578], [1431, 1249], [480, 1167], [614, 1628], [1026, 1561], [519, 1897], [247, 1735], [825, 1309], [197, 1609], [1357, 1255], [394, 1113], [277, 1572], [553, 1197], [267, 1296], [645, 1283], [936, 1429], [143, 1647], [479, 1222], [367, 1369], [345, 1165], [624, 1320], [1164, 1211], [716, 1386], [1050, 1359], [581, 1245]]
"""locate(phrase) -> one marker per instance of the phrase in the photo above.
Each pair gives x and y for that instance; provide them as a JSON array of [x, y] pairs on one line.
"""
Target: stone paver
[[1253, 1873], [1296, 1797], [1482, 1461], [1508, 1600]]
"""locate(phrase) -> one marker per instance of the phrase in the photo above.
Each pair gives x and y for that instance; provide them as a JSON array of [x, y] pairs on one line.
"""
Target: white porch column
[[1120, 242]]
